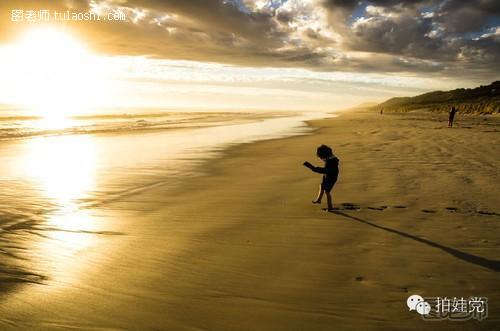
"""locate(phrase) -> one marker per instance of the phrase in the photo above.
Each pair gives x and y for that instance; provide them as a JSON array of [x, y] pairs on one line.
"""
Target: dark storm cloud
[[417, 36], [460, 16], [217, 15], [342, 4], [396, 35], [404, 3], [487, 6], [417, 32]]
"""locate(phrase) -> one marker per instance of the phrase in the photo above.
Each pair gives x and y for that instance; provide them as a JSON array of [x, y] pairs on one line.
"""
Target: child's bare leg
[[329, 200], [320, 195]]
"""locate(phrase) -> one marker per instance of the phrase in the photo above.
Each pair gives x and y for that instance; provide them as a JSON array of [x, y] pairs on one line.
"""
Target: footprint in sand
[[350, 206], [489, 213], [380, 208], [362, 280]]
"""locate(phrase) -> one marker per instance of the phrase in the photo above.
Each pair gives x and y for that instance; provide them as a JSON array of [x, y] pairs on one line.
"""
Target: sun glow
[[54, 75], [63, 167]]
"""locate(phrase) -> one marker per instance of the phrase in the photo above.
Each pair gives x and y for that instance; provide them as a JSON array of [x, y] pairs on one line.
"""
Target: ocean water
[[14, 126], [57, 178]]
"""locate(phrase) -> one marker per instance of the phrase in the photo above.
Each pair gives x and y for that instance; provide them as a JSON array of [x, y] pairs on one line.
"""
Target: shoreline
[[242, 247], [19, 218], [140, 125]]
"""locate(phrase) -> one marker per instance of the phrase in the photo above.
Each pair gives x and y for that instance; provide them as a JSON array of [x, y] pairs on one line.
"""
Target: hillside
[[479, 100]]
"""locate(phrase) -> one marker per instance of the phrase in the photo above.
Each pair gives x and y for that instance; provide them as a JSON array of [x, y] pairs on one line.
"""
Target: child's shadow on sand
[[493, 265]]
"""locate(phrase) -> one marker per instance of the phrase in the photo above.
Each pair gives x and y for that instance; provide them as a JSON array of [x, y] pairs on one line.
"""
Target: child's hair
[[324, 152]]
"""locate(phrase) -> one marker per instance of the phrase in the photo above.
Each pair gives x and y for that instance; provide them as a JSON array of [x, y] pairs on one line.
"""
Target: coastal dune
[[240, 246]]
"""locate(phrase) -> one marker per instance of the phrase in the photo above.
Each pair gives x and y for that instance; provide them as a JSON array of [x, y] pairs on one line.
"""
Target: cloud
[[425, 37], [404, 3], [401, 33], [466, 16]]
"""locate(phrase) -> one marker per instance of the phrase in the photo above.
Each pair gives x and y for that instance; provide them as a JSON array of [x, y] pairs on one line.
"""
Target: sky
[[246, 54]]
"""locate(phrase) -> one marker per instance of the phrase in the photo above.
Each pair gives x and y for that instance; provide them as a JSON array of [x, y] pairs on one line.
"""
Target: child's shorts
[[327, 184]]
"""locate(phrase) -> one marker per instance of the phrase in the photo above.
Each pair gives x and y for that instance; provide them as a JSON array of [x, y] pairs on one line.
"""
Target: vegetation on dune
[[479, 100]]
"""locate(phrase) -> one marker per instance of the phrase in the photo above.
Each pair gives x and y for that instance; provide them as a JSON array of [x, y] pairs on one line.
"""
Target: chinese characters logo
[[453, 308], [19, 15]]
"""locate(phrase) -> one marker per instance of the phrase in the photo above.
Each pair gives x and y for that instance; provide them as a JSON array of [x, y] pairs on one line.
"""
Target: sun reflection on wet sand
[[63, 168], [71, 228]]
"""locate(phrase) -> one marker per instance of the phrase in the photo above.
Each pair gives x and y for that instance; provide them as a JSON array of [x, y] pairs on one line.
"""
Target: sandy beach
[[240, 246]]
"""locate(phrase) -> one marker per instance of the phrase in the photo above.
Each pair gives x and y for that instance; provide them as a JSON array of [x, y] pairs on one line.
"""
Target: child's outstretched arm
[[315, 169], [308, 165]]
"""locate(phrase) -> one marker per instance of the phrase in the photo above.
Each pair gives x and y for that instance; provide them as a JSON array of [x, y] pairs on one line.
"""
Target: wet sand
[[241, 247]]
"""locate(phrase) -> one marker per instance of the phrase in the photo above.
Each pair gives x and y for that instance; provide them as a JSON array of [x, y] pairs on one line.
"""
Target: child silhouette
[[330, 174]]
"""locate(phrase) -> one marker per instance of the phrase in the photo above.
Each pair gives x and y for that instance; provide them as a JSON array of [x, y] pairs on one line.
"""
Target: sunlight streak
[[63, 166]]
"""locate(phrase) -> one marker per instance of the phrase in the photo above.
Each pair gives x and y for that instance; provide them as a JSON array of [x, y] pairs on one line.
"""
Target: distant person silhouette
[[330, 173], [451, 116]]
